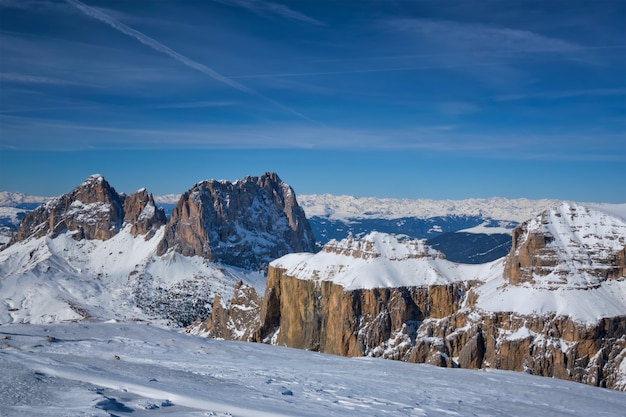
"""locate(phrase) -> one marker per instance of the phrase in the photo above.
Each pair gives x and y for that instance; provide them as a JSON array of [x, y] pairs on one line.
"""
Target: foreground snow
[[73, 370]]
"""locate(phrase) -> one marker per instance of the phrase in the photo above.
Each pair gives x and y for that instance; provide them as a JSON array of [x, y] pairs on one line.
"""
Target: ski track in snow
[[72, 370]]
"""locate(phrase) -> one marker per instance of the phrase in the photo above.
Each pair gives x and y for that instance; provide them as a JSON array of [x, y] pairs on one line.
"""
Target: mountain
[[135, 369], [95, 253], [247, 223], [440, 221], [93, 210], [554, 306]]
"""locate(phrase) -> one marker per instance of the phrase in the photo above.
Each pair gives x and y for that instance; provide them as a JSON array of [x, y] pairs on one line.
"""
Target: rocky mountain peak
[[247, 223], [568, 246], [93, 210], [142, 213]]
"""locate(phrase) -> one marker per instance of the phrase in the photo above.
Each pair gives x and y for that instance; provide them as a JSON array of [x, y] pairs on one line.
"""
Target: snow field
[[73, 370]]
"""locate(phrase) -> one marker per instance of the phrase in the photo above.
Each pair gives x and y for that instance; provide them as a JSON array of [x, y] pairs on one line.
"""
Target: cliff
[[247, 223], [555, 306]]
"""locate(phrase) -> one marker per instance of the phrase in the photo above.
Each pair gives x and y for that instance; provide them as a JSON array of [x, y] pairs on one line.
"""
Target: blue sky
[[408, 99]]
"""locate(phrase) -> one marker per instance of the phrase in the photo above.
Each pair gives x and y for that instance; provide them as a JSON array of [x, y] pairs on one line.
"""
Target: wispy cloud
[[159, 47], [27, 133], [555, 95], [261, 7], [474, 37], [196, 104], [33, 79]]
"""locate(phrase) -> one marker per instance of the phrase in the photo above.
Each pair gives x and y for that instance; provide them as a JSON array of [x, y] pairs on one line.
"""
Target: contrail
[[159, 47]]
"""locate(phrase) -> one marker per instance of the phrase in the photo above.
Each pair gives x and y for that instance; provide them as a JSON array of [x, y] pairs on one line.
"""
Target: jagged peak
[[93, 179]]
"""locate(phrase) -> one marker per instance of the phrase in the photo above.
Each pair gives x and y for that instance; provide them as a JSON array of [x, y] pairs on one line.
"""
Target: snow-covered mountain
[[555, 306], [105, 369]]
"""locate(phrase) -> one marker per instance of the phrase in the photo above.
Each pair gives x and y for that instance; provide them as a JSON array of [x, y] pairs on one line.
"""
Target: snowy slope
[[582, 239], [347, 207], [53, 280], [581, 242], [381, 261], [72, 370]]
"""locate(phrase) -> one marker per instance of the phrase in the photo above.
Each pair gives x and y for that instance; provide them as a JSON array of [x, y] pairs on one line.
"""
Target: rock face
[[142, 213], [567, 245], [247, 223], [355, 298], [93, 210], [237, 321]]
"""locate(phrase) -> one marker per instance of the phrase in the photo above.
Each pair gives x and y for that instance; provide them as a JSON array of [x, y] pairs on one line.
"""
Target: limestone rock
[[473, 353], [143, 214], [93, 210], [237, 321], [567, 245], [247, 223]]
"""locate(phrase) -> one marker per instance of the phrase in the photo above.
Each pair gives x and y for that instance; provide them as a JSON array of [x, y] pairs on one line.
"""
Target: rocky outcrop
[[238, 320], [247, 223], [93, 210], [142, 213], [569, 244]]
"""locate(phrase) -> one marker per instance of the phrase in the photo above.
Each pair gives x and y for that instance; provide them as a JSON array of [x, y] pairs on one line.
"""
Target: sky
[[372, 98]]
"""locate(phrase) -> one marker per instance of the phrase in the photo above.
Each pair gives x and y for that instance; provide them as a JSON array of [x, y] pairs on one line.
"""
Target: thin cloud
[[196, 104], [260, 7], [555, 95], [159, 47], [33, 79], [480, 37], [444, 140]]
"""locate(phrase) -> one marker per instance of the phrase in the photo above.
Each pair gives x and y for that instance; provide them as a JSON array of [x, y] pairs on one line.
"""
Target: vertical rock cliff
[[247, 223]]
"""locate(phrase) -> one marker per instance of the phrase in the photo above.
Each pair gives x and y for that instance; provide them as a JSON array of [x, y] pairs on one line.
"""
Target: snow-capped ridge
[[568, 246]]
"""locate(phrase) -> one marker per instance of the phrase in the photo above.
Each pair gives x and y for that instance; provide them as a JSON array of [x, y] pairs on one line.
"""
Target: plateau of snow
[[110, 368]]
